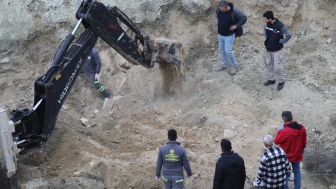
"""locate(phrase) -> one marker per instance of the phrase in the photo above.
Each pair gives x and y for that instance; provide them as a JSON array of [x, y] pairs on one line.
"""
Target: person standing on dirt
[[230, 169], [92, 66], [274, 166], [171, 159], [276, 36], [229, 19], [292, 137]]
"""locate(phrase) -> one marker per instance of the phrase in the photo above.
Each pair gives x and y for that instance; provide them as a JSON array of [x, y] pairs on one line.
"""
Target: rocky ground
[[117, 147]]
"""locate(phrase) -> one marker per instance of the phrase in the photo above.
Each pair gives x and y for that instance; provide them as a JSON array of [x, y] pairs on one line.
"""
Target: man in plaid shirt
[[274, 166]]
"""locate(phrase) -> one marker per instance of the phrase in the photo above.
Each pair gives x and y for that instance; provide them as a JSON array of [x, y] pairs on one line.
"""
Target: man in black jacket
[[276, 36], [230, 169], [230, 19]]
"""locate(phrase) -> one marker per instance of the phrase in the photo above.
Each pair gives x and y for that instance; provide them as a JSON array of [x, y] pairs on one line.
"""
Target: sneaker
[[281, 86], [269, 82], [233, 71], [222, 68]]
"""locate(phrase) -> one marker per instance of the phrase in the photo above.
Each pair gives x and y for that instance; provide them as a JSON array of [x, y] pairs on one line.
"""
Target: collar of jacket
[[173, 142], [228, 153], [268, 150], [276, 20]]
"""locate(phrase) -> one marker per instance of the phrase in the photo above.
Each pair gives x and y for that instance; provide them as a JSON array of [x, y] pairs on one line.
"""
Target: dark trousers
[[97, 85], [173, 182]]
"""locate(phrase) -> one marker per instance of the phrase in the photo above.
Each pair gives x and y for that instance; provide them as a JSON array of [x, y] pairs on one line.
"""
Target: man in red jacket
[[292, 138]]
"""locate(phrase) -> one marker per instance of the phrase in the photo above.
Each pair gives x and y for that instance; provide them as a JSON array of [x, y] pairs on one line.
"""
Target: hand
[[258, 183], [189, 177], [282, 41], [233, 27], [282, 127], [288, 175], [97, 77], [157, 178]]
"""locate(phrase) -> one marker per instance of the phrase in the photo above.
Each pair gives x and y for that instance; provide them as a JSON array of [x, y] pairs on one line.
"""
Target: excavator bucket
[[171, 60]]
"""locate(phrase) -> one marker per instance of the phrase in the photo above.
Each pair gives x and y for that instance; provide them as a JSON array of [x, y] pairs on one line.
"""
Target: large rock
[[229, 133], [142, 10], [196, 6], [3, 83], [71, 182], [21, 21], [16, 21], [147, 10], [285, 10]]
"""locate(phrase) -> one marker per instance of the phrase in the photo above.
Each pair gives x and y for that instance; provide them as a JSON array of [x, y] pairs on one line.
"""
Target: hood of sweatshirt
[[295, 128]]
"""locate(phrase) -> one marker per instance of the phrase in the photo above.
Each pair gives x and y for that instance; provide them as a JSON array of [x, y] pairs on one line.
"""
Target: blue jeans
[[297, 175], [225, 48]]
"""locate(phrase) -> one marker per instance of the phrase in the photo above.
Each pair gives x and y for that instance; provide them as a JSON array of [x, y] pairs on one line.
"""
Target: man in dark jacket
[[276, 36], [172, 157], [230, 169], [229, 20], [92, 66], [292, 138]]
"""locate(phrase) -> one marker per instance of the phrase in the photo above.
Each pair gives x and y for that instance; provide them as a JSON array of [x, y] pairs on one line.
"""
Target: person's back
[[274, 166], [172, 154], [171, 159], [230, 169], [273, 163], [292, 139]]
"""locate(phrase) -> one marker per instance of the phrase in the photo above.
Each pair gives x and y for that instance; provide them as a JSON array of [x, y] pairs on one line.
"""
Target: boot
[[233, 70], [269, 82], [222, 68], [106, 94], [281, 86]]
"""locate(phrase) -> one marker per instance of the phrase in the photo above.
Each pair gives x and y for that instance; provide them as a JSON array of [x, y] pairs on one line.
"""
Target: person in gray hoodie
[[92, 66], [171, 159]]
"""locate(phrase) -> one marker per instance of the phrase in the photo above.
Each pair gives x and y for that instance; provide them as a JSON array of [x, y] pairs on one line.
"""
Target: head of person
[[287, 116], [223, 6], [226, 145], [268, 141], [269, 17], [172, 135]]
